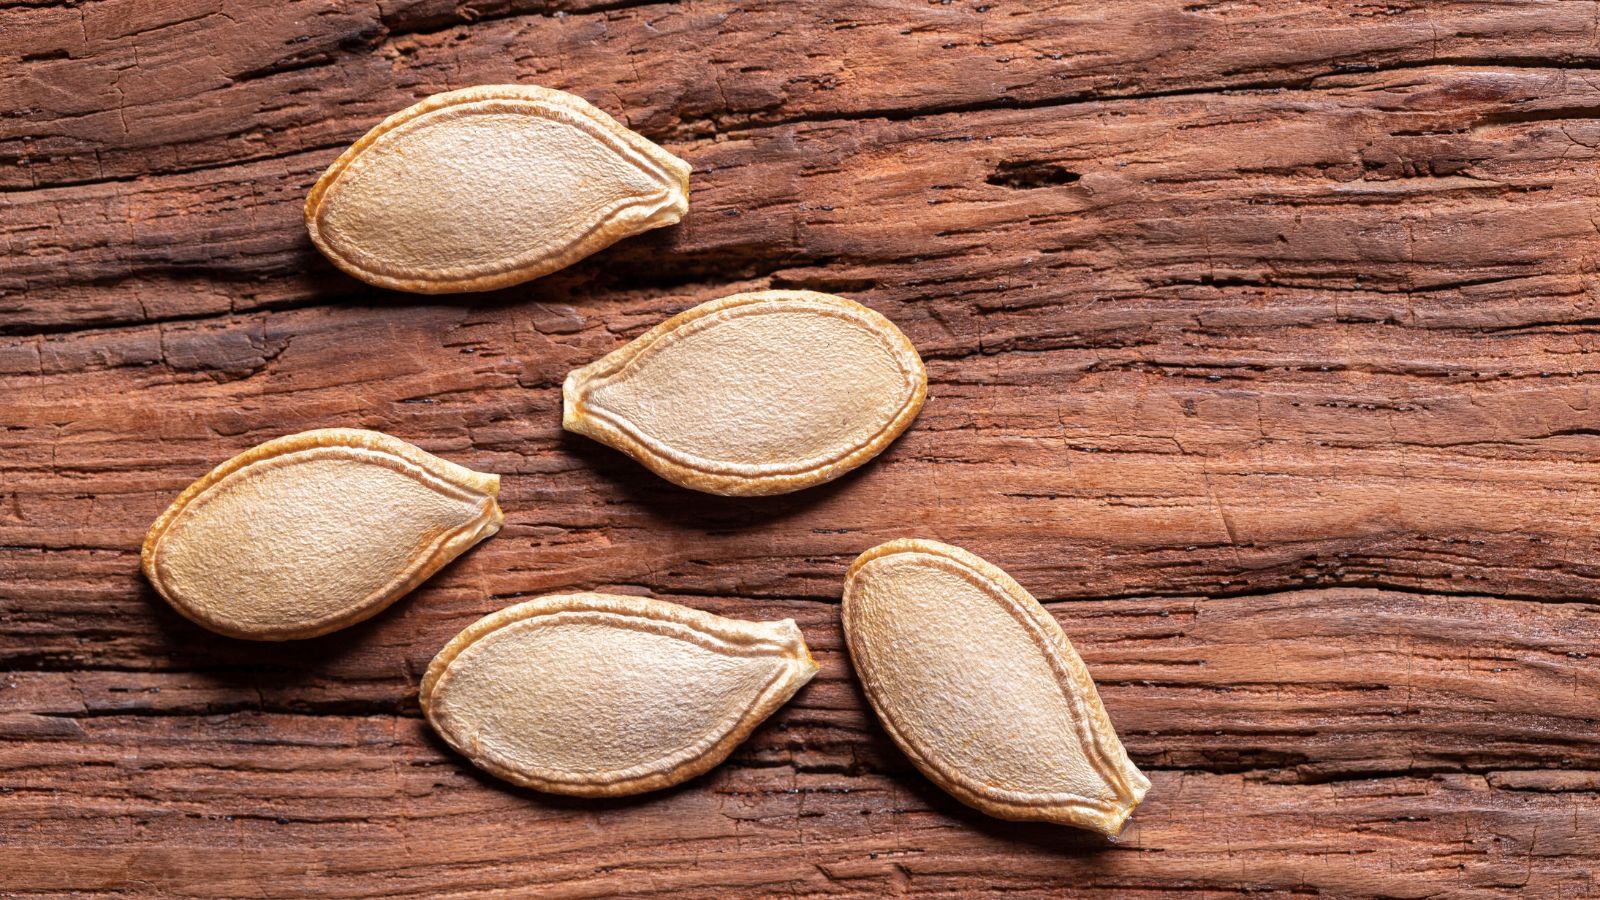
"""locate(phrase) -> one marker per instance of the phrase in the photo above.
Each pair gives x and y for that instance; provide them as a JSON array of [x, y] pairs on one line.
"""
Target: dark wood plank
[[1258, 338], [114, 90], [1353, 741]]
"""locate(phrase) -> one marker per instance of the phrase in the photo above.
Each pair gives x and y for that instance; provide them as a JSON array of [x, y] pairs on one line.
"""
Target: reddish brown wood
[[1258, 342]]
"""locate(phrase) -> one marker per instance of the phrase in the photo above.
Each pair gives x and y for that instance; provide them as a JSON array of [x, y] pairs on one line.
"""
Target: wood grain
[[1258, 339]]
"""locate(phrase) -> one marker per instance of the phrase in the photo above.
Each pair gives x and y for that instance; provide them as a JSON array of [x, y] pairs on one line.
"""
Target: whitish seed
[[490, 186], [981, 689], [599, 696], [309, 533], [760, 393]]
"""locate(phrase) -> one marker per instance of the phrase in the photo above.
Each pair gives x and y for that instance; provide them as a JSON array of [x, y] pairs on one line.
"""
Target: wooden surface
[[1262, 343]]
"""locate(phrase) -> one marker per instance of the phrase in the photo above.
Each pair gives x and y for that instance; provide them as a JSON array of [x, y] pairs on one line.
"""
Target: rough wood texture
[[1258, 340]]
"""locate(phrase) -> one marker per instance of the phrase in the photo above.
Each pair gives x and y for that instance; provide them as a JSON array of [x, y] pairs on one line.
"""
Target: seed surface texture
[[486, 187], [596, 695], [309, 533], [759, 393], [982, 690]]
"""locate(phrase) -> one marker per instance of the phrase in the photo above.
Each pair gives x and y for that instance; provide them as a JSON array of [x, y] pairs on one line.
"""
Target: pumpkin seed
[[600, 696], [309, 533], [490, 186], [979, 686], [760, 393]]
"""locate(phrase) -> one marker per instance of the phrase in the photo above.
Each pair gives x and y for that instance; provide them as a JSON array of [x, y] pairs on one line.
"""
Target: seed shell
[[486, 187], [753, 394], [976, 682], [312, 532], [596, 695]]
